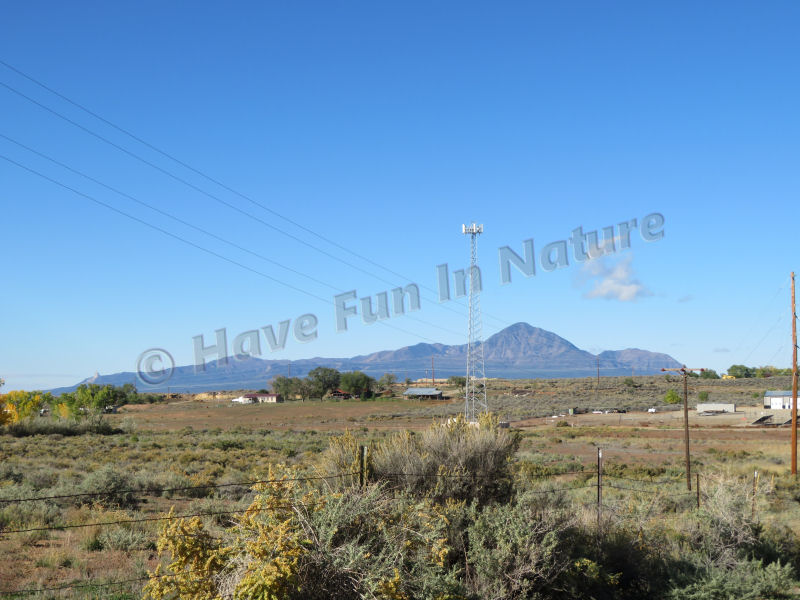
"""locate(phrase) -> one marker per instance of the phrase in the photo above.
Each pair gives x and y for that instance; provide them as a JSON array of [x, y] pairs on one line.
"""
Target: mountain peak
[[519, 350]]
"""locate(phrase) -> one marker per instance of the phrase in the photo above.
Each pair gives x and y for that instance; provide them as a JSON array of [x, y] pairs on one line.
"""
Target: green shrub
[[115, 486], [298, 543], [124, 538], [750, 580], [61, 427], [455, 460], [517, 550]]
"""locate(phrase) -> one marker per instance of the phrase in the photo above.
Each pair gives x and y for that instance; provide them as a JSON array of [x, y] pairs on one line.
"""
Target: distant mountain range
[[518, 351]]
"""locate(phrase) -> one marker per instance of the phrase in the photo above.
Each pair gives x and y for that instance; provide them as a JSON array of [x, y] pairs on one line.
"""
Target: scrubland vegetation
[[447, 511]]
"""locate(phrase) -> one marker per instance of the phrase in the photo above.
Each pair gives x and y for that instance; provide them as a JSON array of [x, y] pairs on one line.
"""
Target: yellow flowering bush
[[299, 540]]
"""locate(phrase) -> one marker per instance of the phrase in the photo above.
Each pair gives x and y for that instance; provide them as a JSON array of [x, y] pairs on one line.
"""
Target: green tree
[[387, 381], [302, 387], [672, 397], [703, 396], [740, 371], [324, 380], [770, 371], [357, 383], [91, 399], [282, 386], [457, 381], [709, 374]]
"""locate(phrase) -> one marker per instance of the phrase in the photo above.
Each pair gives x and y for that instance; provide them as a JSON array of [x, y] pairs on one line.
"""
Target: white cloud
[[686, 298], [613, 280]]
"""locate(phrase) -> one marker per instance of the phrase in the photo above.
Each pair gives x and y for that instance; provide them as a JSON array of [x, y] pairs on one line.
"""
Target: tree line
[[88, 399], [744, 372], [324, 381]]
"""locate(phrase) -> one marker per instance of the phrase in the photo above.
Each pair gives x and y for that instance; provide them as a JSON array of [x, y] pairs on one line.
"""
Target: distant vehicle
[[597, 412], [651, 410]]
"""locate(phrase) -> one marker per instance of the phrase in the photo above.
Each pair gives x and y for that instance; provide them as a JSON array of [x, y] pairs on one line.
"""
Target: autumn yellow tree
[[25, 405]]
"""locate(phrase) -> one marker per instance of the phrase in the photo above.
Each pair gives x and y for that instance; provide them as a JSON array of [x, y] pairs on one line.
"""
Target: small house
[[259, 398], [268, 398]]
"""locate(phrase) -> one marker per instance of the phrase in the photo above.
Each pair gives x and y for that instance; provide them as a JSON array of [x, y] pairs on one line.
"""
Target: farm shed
[[778, 399], [716, 407], [421, 392]]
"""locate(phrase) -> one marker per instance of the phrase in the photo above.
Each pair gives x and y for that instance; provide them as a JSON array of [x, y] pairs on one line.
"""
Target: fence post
[[599, 488], [697, 477], [362, 471], [755, 486]]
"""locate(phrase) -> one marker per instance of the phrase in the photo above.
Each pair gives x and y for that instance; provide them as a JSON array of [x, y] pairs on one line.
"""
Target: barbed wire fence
[[589, 477]]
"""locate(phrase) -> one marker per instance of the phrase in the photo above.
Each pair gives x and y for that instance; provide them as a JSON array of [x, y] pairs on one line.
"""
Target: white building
[[716, 407], [778, 400], [267, 398]]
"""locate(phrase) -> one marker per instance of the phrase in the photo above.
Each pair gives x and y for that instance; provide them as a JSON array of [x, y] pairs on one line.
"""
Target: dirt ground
[[322, 416]]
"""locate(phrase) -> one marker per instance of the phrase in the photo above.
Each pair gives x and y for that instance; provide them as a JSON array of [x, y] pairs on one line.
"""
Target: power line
[[159, 229], [195, 227], [188, 183], [766, 335], [208, 194], [164, 213], [198, 171], [211, 179], [190, 243], [754, 325]]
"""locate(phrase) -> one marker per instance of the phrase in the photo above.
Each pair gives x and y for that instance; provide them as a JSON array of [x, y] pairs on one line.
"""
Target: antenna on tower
[[475, 397]]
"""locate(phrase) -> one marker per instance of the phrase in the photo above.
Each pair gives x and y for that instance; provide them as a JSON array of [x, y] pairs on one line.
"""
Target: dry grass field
[[190, 442]]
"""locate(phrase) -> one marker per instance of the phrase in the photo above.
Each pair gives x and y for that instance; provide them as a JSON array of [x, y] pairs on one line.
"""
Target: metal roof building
[[422, 392], [778, 399]]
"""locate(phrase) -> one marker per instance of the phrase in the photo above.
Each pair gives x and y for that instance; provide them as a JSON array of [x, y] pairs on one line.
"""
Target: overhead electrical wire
[[195, 227], [213, 180], [191, 243]]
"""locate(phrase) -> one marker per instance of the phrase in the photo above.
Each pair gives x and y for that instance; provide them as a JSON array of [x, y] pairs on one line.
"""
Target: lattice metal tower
[[475, 397]]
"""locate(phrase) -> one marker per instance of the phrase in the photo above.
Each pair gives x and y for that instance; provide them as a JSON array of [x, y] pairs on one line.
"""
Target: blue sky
[[383, 127]]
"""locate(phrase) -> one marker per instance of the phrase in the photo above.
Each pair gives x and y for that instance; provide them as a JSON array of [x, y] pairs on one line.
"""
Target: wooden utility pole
[[794, 383], [685, 373], [433, 375]]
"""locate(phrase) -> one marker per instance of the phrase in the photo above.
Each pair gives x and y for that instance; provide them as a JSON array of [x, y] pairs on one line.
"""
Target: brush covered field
[[447, 511]]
